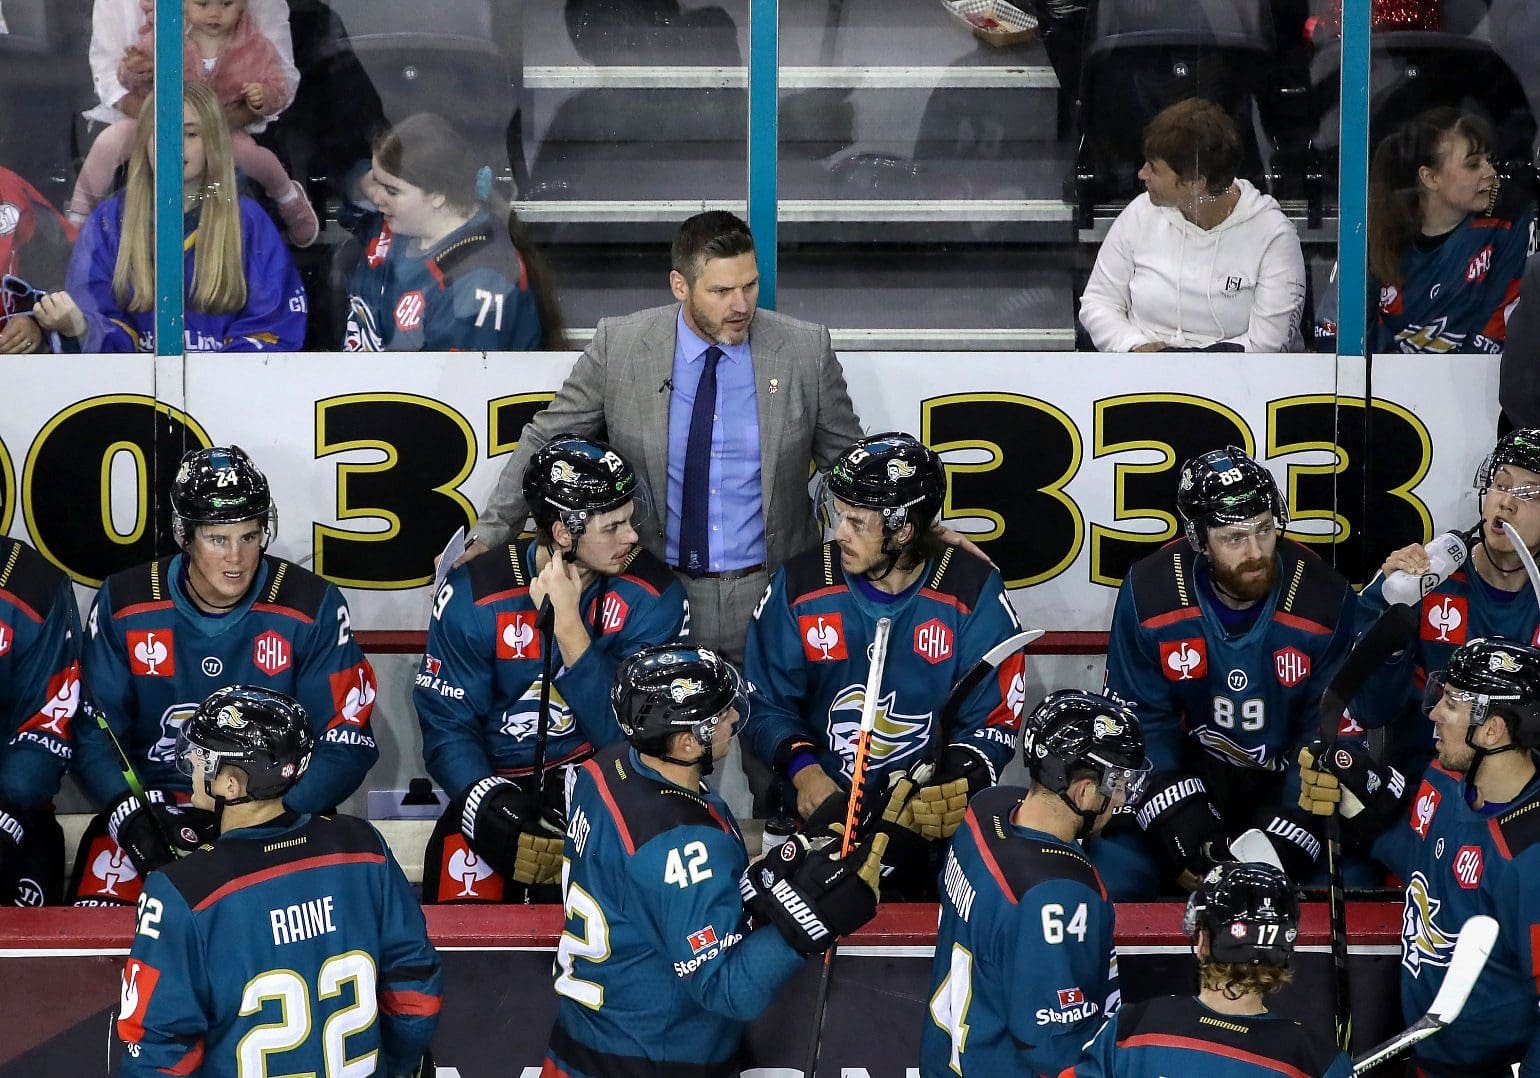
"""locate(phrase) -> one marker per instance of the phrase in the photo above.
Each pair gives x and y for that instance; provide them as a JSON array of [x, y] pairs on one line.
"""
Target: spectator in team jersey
[[1445, 271], [449, 268], [242, 291]]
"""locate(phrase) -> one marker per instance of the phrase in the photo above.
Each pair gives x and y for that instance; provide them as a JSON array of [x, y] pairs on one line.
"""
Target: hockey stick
[[852, 814], [1471, 949], [1391, 632], [970, 682], [1530, 569], [130, 776]]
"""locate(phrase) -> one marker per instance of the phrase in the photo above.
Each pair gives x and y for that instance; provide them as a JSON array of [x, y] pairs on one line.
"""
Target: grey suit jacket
[[808, 419]]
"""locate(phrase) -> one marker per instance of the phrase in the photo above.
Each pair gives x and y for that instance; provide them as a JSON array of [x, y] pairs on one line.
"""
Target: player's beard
[[1236, 583]]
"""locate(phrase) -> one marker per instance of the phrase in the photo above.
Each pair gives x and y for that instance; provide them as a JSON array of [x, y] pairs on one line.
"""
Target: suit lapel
[[655, 366], [769, 365]]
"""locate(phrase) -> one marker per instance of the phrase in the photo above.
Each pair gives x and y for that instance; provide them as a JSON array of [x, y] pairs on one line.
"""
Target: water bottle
[[1446, 553]]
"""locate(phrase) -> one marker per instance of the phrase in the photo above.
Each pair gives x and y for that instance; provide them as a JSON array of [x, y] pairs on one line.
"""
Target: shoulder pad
[[1024, 863], [647, 569], [1520, 827], [499, 571], [1164, 582], [29, 579], [290, 586], [147, 583], [1308, 587], [959, 575], [642, 807], [230, 864], [812, 571]]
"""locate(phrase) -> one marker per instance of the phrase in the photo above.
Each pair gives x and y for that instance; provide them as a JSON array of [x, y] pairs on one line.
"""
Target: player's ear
[[561, 537]]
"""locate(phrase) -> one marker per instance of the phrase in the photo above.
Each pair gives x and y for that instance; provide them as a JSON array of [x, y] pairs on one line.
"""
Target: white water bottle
[[1446, 553]]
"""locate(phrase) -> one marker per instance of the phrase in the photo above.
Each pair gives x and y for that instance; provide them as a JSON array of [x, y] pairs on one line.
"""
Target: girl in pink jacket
[[225, 51]]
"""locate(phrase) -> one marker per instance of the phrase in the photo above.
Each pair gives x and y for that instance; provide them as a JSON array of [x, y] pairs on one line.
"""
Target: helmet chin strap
[[1087, 816], [220, 802], [704, 761]]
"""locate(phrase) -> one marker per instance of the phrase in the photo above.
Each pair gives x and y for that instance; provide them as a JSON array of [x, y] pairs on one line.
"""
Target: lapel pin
[[775, 384]]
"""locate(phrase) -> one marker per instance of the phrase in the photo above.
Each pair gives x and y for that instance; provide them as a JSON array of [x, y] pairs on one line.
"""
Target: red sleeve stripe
[[396, 1003], [511, 593], [251, 879], [285, 611], [25, 608], [593, 768], [189, 1063], [1171, 617], [988, 858], [142, 608], [1193, 1044], [1534, 954], [1294, 621], [1499, 841], [950, 600]]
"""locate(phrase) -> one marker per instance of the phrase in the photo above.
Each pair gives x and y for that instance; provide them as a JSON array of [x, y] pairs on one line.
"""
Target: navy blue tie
[[694, 533]]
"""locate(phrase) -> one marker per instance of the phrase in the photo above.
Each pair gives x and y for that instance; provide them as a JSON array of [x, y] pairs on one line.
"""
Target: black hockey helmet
[[1075, 731], [667, 688], [1225, 486], [1250, 911], [263, 732], [572, 478], [219, 485], [1520, 448], [895, 474], [1497, 677]]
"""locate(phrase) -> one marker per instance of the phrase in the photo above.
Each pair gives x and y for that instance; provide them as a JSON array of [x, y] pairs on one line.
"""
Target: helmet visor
[[1439, 686], [1123, 783], [194, 760], [735, 715]]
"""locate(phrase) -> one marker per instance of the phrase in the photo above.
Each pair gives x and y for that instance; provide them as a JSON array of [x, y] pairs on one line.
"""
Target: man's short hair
[[1196, 138], [713, 234]]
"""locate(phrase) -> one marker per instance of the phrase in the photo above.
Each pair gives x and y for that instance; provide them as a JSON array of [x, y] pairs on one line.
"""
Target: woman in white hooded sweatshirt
[[1202, 261]]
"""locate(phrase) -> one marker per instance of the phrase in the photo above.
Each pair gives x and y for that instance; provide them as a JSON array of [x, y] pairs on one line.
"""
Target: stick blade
[[1471, 949], [1255, 846]]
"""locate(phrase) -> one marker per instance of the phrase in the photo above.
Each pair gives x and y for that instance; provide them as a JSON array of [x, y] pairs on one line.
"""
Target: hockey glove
[[811, 894], [139, 827], [1186, 827], [506, 829], [1344, 777], [939, 804], [1293, 837]]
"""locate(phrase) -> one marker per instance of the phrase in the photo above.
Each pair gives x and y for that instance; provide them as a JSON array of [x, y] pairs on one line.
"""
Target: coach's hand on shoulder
[[810, 893], [508, 831], [138, 827]]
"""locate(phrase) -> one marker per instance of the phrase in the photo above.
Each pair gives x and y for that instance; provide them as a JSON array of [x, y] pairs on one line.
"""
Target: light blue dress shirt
[[735, 509]]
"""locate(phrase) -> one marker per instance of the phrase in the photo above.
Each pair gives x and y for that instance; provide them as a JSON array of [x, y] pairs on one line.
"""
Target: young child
[[225, 51]]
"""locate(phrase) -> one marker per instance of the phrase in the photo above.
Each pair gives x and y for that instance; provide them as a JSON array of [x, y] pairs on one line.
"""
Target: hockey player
[[1242, 921], [807, 654], [1488, 596], [1466, 847], [164, 635], [1025, 966], [478, 693], [39, 697], [659, 970], [290, 944], [1222, 645]]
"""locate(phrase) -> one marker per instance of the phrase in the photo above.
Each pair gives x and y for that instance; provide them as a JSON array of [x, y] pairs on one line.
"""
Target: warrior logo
[[894, 736], [1423, 942]]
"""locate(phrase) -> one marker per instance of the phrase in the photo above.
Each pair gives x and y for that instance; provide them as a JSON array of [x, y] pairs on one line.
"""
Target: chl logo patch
[[271, 653], [1479, 265], [933, 641], [1424, 808], [1184, 660], [613, 617], [823, 637], [1445, 621], [516, 635], [1291, 665], [1467, 867], [7, 637], [152, 652], [409, 310]]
